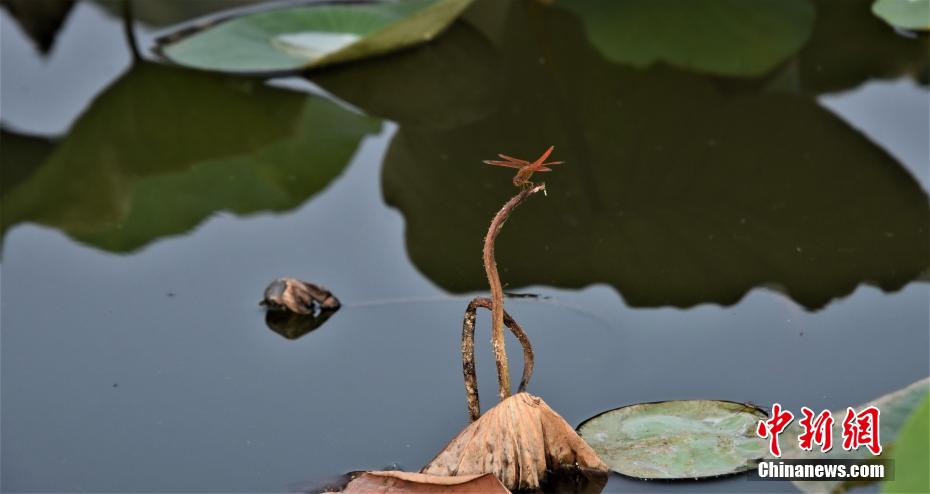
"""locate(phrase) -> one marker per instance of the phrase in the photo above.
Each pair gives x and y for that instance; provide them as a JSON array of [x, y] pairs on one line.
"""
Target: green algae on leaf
[[297, 38], [684, 439]]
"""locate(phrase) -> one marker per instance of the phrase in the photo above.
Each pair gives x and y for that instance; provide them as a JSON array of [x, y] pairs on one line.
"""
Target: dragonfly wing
[[503, 163], [515, 160], [545, 155], [553, 163]]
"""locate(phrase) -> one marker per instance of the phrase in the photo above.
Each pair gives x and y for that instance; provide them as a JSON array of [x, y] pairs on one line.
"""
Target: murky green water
[[757, 238]]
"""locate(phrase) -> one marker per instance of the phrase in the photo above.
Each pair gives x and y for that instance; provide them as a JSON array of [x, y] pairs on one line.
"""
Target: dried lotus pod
[[518, 441], [298, 296]]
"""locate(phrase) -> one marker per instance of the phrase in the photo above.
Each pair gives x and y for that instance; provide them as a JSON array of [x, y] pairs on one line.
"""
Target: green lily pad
[[727, 37], [677, 439], [912, 453], [297, 38], [904, 14]]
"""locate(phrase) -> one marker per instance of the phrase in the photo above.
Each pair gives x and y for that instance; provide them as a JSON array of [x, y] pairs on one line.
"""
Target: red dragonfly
[[526, 169]]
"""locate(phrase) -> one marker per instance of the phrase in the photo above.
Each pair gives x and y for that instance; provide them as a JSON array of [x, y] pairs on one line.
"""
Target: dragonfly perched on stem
[[526, 169]]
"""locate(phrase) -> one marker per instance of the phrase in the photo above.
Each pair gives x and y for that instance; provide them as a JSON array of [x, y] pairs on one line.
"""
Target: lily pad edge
[[750, 406]]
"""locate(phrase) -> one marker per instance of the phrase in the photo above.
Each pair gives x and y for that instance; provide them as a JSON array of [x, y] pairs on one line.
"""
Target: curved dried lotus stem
[[497, 291], [468, 353]]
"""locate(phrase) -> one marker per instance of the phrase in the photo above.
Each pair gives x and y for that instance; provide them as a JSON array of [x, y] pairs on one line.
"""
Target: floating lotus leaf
[[904, 14], [686, 439], [296, 38], [912, 453]]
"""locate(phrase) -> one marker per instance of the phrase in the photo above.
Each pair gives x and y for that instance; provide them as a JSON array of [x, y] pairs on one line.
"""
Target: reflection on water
[[682, 188], [834, 60], [163, 148], [40, 20], [679, 190], [293, 326]]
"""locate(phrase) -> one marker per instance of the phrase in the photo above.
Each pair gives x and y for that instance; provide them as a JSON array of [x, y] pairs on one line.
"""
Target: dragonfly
[[525, 168]]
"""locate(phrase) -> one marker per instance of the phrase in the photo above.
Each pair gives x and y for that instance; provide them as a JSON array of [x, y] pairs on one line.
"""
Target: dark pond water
[[752, 238]]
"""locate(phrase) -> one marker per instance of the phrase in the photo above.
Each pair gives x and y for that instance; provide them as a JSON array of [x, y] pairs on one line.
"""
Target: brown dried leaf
[[298, 296], [517, 441], [418, 483]]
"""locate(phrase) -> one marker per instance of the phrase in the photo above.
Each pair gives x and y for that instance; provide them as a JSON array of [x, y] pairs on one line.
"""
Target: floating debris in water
[[296, 307], [299, 297]]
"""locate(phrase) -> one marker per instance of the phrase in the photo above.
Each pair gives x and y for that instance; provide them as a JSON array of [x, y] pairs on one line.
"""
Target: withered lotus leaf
[[518, 441], [418, 483]]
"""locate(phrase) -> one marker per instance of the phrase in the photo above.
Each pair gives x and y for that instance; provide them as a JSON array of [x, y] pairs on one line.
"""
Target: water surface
[[743, 238]]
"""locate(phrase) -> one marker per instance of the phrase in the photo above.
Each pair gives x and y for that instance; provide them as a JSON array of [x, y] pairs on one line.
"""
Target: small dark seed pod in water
[[299, 297]]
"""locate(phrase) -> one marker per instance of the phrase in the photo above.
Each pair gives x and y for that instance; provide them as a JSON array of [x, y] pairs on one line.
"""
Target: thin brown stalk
[[497, 292], [468, 353], [468, 363]]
